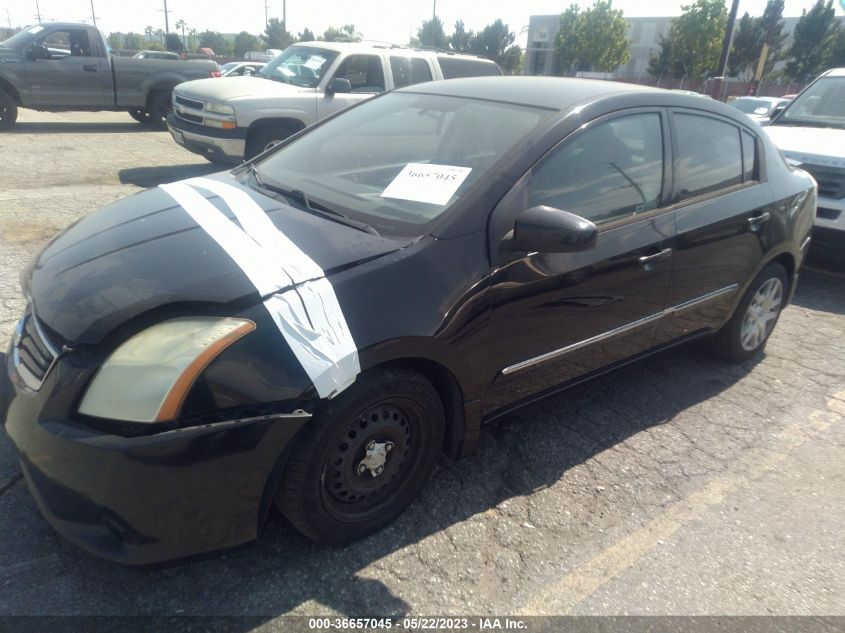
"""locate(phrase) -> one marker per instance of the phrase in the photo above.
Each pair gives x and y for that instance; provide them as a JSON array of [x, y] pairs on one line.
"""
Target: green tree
[[345, 33], [245, 42], [148, 31], [216, 42], [133, 42], [307, 35], [751, 34], [172, 42], [432, 35], [814, 42], [276, 35], [595, 39], [115, 41], [192, 40], [154, 46], [495, 41], [694, 42], [837, 57], [461, 40]]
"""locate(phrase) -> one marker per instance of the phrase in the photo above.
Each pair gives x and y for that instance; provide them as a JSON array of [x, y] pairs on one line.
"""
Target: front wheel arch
[[287, 127]]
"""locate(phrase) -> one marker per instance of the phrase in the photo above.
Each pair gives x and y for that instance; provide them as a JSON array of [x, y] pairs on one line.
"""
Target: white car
[[238, 69], [811, 133], [760, 109]]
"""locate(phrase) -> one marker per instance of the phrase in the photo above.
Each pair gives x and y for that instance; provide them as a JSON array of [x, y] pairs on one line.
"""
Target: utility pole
[[37, 12], [9, 19], [266, 16], [726, 51], [284, 20], [166, 20], [93, 17], [433, 18], [764, 54]]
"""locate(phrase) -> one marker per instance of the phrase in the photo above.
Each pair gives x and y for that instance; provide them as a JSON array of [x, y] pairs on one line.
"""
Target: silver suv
[[227, 121]]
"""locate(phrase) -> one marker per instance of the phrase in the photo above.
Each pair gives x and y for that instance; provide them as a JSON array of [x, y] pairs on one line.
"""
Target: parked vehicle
[[156, 55], [811, 133], [314, 327], [242, 117], [238, 69], [60, 66], [262, 56], [760, 109]]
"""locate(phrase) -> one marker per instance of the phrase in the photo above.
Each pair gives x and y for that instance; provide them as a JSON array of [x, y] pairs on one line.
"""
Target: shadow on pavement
[[82, 127], [821, 285], [154, 176]]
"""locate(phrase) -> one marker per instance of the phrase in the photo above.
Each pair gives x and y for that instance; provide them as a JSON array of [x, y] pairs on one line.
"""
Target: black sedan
[[314, 328]]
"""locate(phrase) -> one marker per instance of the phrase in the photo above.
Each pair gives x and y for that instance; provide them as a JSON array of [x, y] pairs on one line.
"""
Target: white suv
[[227, 121]]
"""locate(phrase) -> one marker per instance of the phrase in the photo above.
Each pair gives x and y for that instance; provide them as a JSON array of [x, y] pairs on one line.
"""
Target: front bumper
[[144, 499], [219, 145]]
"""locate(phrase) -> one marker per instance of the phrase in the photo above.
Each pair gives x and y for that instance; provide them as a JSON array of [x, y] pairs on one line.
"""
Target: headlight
[[218, 108], [147, 377]]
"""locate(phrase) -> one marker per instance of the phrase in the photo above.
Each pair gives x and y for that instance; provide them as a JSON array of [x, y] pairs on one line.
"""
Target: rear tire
[[363, 457], [140, 115], [266, 138], [746, 334], [8, 111], [159, 106]]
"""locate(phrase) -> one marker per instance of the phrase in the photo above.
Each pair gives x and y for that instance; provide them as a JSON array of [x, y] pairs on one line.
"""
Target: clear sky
[[391, 21]]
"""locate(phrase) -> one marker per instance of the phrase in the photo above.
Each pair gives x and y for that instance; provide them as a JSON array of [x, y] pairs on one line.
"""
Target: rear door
[[70, 71], [558, 316], [723, 226]]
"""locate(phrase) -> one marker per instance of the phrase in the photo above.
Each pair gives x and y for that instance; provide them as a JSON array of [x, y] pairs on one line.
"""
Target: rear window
[[709, 155], [456, 67]]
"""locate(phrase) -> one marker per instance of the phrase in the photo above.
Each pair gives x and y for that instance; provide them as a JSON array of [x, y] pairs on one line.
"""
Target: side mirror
[[548, 230], [37, 51], [339, 85]]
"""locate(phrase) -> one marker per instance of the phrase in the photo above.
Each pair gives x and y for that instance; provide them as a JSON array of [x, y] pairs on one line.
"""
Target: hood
[[145, 252], [813, 145], [233, 87]]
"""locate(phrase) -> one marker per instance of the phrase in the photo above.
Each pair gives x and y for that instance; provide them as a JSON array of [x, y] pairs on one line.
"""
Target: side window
[[610, 171], [455, 67], [709, 155], [749, 157], [364, 72], [409, 70], [69, 42]]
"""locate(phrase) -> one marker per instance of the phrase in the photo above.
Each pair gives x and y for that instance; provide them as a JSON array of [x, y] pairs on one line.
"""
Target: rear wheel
[[159, 106], [364, 456], [140, 115], [266, 138], [8, 111], [746, 334]]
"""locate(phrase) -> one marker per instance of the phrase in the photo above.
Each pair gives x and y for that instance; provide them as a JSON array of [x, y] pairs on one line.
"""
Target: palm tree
[[193, 34], [181, 25], [160, 33], [148, 31]]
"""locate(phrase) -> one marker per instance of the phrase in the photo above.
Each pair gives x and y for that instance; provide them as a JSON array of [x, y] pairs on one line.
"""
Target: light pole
[[93, 16], [433, 18], [37, 11], [166, 20]]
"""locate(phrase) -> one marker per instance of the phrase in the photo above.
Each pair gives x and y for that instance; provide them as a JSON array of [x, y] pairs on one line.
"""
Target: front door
[[366, 76], [558, 316], [64, 68]]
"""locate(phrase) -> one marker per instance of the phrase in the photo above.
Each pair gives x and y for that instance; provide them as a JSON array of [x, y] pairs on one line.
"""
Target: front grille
[[34, 352], [828, 214], [193, 118], [189, 103], [831, 180]]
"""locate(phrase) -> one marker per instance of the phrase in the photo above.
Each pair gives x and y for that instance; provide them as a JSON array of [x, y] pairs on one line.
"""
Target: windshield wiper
[[311, 206]]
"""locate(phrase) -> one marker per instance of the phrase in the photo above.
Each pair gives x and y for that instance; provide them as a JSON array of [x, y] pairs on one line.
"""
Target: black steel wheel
[[140, 115], [8, 111], [159, 106], [364, 456]]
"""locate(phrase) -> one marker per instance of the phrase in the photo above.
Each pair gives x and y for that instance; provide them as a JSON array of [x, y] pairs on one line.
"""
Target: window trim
[[675, 201]]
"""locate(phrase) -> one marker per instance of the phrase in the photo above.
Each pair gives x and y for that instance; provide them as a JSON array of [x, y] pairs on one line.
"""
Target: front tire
[[364, 456], [8, 111], [746, 334], [264, 139], [159, 106]]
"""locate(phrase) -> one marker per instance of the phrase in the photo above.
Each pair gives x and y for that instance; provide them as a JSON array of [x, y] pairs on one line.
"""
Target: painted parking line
[[561, 597]]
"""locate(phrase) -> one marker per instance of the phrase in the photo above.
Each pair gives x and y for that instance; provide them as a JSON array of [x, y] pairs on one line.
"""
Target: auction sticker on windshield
[[423, 182]]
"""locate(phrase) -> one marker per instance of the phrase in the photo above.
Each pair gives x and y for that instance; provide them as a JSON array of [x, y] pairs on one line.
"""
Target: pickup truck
[[240, 117], [60, 66]]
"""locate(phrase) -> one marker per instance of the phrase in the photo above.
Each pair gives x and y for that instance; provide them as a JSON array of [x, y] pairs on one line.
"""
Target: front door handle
[[756, 222], [89, 69], [647, 261]]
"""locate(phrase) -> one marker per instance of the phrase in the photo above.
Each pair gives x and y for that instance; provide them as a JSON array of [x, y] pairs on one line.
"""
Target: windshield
[[22, 37], [752, 106], [228, 66], [821, 104], [299, 65], [400, 161]]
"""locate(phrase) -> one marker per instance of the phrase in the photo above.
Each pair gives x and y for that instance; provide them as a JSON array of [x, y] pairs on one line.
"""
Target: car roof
[[559, 93], [835, 72], [351, 47]]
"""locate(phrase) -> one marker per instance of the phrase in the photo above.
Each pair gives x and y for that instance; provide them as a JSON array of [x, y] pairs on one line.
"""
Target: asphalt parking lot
[[679, 485]]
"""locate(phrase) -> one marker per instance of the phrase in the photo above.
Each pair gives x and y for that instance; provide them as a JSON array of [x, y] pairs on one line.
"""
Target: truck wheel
[[8, 111], [267, 138], [140, 115], [159, 106]]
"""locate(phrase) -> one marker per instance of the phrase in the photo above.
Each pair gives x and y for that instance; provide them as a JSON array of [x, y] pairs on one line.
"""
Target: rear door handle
[[89, 69], [756, 222], [646, 260]]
